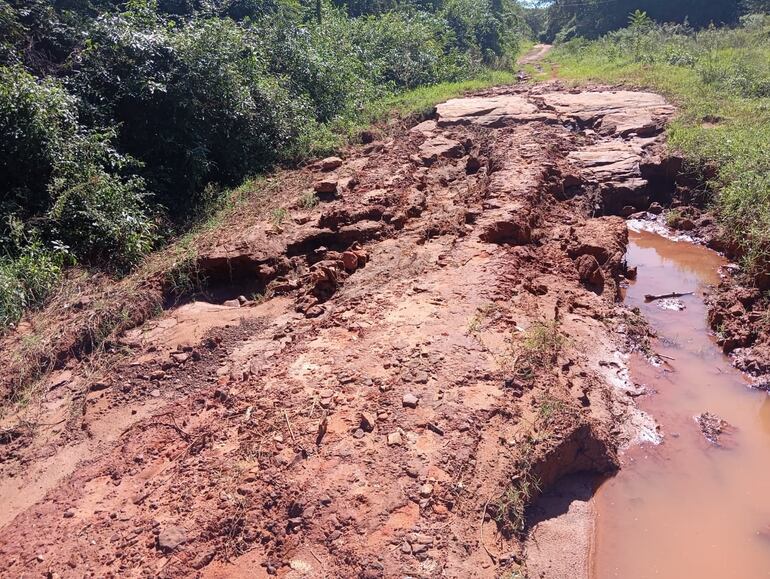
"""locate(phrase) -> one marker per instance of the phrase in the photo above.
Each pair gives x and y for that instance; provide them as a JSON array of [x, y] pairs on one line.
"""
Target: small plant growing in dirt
[[308, 200], [548, 407], [278, 216], [482, 314], [183, 278], [539, 349], [509, 511], [674, 218]]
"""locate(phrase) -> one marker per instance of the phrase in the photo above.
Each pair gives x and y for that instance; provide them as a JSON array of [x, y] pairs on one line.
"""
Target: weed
[[548, 407], [183, 278], [278, 216], [509, 511], [480, 316], [673, 218], [538, 350], [308, 200]]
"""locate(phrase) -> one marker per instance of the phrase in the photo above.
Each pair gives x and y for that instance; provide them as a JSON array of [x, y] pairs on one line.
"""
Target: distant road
[[536, 53]]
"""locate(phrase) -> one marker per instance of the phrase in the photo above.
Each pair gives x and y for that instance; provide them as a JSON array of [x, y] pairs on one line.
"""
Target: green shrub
[[27, 280], [406, 50], [38, 122]]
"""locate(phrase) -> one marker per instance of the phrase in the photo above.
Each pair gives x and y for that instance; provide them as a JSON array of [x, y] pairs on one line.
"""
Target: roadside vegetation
[[720, 78], [124, 123]]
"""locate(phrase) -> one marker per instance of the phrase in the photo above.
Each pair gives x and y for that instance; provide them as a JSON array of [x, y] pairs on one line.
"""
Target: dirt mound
[[417, 343]]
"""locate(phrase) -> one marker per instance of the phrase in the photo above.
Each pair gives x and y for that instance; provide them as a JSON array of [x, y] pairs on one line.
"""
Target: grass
[[538, 349], [482, 314], [278, 216], [308, 200], [720, 80], [510, 507]]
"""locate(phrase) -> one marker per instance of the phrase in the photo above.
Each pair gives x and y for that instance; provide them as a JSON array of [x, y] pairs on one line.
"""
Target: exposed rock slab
[[493, 111], [613, 112]]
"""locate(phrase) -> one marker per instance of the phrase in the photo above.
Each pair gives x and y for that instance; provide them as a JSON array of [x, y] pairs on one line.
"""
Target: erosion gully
[[687, 507]]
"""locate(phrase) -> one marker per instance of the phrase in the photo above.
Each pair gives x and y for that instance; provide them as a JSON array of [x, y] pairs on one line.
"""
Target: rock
[[440, 509], [655, 208], [589, 270], [326, 186], [712, 426], [243, 300], [410, 400], [155, 393], [412, 471], [406, 548], [97, 386], [632, 272], [493, 111], [617, 112], [420, 376], [437, 147], [367, 421], [347, 183], [421, 539], [514, 230], [314, 311], [69, 513], [204, 559], [232, 304], [157, 375], [426, 490], [350, 261], [394, 439], [330, 163], [170, 538], [180, 357]]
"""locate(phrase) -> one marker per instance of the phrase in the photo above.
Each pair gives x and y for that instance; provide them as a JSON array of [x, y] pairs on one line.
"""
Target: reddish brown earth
[[437, 343]]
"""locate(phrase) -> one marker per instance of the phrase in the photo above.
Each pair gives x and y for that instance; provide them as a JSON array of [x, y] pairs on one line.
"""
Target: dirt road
[[536, 53], [435, 343]]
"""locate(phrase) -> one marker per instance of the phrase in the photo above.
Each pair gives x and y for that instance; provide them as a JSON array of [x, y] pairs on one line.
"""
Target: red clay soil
[[437, 344]]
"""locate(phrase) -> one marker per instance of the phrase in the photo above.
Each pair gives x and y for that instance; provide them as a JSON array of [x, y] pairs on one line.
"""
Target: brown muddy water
[[686, 508]]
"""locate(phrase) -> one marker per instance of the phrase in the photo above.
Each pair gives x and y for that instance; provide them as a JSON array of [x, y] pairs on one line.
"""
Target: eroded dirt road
[[438, 343]]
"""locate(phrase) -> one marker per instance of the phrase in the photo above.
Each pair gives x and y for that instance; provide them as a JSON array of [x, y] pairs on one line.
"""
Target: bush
[[38, 121], [195, 103], [321, 64], [27, 280]]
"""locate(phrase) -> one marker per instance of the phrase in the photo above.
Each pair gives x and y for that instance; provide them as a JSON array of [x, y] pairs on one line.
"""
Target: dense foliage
[[122, 119], [721, 79], [564, 19]]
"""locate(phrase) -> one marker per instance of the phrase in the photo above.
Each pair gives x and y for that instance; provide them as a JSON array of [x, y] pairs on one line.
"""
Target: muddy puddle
[[687, 507]]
